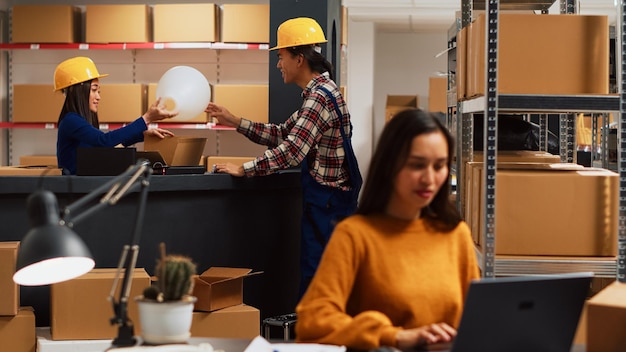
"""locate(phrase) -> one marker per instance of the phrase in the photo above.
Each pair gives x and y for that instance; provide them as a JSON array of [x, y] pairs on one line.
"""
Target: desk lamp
[[52, 252]]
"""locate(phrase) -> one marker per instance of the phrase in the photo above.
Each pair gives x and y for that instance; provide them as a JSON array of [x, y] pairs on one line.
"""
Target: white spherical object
[[185, 90]]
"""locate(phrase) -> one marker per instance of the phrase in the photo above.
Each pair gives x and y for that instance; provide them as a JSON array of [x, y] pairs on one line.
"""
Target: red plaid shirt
[[312, 132]]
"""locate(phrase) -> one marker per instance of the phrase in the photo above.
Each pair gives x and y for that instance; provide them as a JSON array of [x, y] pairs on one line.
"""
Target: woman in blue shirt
[[78, 125]]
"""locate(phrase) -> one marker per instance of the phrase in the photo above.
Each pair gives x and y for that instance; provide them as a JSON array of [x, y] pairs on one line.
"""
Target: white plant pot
[[165, 322]]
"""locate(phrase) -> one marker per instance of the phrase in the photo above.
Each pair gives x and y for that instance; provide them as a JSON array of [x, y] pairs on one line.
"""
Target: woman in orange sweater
[[397, 272]]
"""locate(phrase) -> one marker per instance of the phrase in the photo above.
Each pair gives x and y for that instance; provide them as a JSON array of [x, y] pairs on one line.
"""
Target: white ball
[[185, 90]]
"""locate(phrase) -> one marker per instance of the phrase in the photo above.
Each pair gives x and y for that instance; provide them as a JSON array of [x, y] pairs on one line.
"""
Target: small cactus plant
[[174, 278]]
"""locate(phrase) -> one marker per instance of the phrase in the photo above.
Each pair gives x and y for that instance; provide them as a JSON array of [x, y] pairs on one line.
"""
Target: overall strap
[[334, 101]]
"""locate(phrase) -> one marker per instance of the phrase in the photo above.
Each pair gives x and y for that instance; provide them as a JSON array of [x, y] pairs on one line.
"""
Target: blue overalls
[[324, 206]]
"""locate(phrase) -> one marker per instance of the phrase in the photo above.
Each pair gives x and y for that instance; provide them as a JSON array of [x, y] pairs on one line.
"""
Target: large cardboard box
[[121, 103], [240, 321], [201, 118], [39, 160], [176, 150], [460, 76], [185, 23], [45, 24], [220, 287], [528, 50], [245, 23], [80, 310], [397, 103], [552, 210], [47, 108], [118, 23], [17, 333], [29, 171], [250, 101], [438, 94], [9, 290], [606, 319]]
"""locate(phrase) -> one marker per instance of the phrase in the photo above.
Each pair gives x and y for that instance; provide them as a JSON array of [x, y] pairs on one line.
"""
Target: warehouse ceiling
[[409, 16]]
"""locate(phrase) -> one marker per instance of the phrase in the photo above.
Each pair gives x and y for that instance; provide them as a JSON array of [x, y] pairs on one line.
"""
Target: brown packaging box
[[531, 218], [118, 24], [185, 23], [245, 23], [177, 151], [239, 321], [9, 290], [39, 160], [460, 77], [45, 24], [528, 48], [47, 109], [397, 103], [121, 103], [606, 319], [250, 101], [220, 287], [29, 171], [80, 310], [438, 94], [17, 333], [201, 118]]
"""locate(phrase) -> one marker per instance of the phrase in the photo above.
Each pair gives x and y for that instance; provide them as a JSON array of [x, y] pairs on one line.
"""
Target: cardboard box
[[237, 160], [531, 218], [17, 333], [606, 319], [48, 106], [344, 25], [45, 24], [118, 24], [39, 160], [460, 76], [528, 48], [240, 321], [185, 23], [9, 290], [250, 101], [29, 171], [438, 94], [220, 287], [80, 310], [201, 118], [177, 151], [397, 103], [245, 23], [46, 344], [121, 103]]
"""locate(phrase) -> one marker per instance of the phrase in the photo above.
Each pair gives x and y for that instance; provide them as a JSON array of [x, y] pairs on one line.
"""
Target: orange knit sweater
[[380, 274]]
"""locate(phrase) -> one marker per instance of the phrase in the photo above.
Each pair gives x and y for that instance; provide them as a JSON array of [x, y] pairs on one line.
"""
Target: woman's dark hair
[[77, 100], [390, 157], [317, 62]]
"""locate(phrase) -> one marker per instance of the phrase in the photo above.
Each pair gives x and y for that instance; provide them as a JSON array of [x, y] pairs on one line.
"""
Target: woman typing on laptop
[[397, 272]]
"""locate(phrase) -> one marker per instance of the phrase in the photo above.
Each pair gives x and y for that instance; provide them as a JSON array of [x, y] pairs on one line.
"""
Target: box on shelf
[[397, 103], [47, 108], [250, 101], [531, 218], [245, 23], [239, 321], [460, 76], [176, 150], [17, 332], [121, 103], [9, 290], [118, 24], [29, 171], [79, 309], [438, 94], [606, 319], [185, 23], [201, 118], [39, 160], [220, 287], [528, 50], [45, 24]]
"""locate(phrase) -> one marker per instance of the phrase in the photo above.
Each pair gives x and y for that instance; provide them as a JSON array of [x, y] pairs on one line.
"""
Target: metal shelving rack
[[492, 103]]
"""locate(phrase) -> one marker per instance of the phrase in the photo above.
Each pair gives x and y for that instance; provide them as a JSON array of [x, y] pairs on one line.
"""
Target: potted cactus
[[165, 308]]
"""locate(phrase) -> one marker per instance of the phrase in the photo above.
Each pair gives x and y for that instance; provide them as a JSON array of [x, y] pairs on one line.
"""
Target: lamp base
[[125, 337]]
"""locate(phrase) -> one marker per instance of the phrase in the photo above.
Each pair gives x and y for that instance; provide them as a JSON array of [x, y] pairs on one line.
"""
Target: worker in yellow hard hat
[[78, 126], [317, 137]]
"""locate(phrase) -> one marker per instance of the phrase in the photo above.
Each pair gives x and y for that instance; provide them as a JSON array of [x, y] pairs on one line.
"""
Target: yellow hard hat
[[299, 31], [75, 70]]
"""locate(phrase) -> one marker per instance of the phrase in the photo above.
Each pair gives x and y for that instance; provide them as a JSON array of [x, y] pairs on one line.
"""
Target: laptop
[[521, 314]]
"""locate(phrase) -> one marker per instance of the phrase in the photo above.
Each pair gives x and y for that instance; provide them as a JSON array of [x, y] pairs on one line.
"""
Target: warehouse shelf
[[537, 103], [131, 46], [534, 5], [110, 126]]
